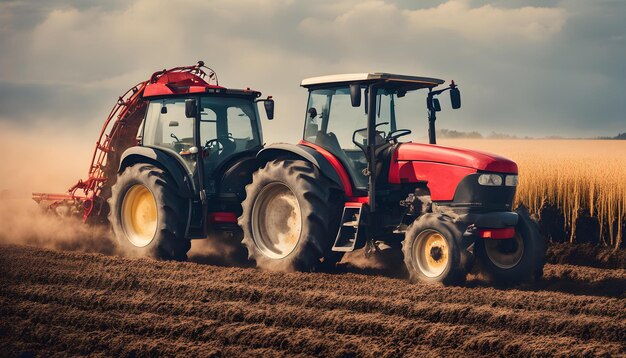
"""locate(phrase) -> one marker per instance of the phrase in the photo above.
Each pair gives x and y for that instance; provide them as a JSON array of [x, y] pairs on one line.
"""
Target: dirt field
[[55, 302]]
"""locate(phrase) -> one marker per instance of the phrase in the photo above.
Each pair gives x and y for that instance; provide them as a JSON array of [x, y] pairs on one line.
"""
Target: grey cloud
[[541, 68], [63, 105]]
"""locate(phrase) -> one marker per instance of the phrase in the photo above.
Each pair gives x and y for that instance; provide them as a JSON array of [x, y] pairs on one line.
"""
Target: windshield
[[227, 126], [332, 122]]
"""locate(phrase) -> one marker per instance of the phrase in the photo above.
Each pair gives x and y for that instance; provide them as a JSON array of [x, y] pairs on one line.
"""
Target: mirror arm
[[269, 98], [438, 92]]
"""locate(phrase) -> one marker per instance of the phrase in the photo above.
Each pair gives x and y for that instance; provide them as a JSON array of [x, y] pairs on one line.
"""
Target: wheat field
[[572, 175]]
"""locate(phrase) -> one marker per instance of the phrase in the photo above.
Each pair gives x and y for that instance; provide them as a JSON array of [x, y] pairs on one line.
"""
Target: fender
[[493, 220], [309, 154], [163, 160], [497, 220]]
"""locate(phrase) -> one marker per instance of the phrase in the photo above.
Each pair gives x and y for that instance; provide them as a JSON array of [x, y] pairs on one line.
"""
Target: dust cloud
[[220, 249], [25, 223], [385, 261], [44, 158]]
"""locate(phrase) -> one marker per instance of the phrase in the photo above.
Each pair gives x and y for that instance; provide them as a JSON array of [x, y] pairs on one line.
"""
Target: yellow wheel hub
[[431, 253], [139, 215]]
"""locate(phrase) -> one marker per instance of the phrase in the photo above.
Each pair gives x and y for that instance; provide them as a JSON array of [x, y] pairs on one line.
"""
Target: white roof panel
[[354, 77]]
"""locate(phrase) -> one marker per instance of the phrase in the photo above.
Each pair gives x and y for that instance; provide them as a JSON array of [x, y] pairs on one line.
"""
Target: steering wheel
[[220, 144], [181, 146], [359, 131], [393, 136]]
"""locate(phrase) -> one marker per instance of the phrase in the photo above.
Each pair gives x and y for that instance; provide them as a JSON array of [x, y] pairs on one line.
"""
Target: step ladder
[[348, 234]]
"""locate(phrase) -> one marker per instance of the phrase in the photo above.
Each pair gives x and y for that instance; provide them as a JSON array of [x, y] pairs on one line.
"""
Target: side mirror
[[269, 107], [436, 105], [355, 95], [455, 97], [191, 108]]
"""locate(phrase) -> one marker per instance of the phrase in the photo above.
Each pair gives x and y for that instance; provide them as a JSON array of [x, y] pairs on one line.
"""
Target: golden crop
[[571, 174]]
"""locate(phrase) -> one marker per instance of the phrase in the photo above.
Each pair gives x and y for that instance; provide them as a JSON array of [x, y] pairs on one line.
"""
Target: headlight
[[490, 180], [510, 180]]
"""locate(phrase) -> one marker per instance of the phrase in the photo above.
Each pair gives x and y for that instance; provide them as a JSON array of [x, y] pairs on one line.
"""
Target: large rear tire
[[516, 260], [147, 215], [432, 251], [290, 217]]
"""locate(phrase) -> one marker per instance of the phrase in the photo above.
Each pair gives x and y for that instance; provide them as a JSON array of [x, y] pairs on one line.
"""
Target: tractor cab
[[213, 133], [228, 125], [338, 117], [205, 132]]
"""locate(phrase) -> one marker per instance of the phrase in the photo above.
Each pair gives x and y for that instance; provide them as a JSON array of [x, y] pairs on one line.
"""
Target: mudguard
[[273, 151], [493, 220], [497, 220], [160, 158]]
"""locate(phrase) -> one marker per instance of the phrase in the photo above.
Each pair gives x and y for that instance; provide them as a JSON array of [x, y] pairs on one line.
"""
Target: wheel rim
[[139, 215], [506, 253], [431, 252], [276, 221]]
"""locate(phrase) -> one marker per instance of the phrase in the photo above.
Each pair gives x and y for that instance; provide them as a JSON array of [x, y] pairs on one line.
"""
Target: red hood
[[456, 156]]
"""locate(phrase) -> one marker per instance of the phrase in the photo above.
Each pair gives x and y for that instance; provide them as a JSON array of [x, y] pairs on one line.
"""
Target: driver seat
[[330, 142]]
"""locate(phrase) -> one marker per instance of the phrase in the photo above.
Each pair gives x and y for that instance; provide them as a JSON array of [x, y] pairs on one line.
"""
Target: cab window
[[227, 126], [167, 127], [331, 123]]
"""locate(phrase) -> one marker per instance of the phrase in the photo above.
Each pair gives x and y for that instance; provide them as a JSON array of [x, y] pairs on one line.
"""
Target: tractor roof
[[185, 83], [189, 79], [410, 81]]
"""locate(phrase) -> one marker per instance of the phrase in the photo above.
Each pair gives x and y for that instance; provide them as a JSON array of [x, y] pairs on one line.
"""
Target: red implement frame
[[118, 133]]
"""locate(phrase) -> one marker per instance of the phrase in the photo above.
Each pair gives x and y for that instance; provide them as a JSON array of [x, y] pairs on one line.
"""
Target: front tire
[[516, 260], [147, 215], [290, 217], [432, 251]]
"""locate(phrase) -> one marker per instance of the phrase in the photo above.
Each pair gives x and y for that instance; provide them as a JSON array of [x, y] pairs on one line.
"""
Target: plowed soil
[[70, 303]]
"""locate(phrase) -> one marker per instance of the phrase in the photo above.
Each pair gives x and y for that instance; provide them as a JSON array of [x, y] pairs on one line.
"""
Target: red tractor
[[184, 158], [350, 183], [171, 163]]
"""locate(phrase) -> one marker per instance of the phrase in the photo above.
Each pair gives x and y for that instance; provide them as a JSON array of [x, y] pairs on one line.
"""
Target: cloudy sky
[[535, 68]]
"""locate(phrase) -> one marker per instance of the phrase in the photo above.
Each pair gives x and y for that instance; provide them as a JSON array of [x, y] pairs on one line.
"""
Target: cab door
[[168, 128]]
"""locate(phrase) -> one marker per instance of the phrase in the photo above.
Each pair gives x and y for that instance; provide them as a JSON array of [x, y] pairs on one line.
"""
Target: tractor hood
[[482, 161]]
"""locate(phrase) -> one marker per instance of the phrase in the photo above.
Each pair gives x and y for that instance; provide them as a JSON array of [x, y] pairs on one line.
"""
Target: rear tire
[[290, 217], [432, 251], [147, 215], [516, 260]]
